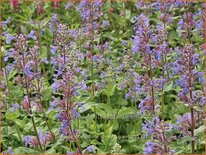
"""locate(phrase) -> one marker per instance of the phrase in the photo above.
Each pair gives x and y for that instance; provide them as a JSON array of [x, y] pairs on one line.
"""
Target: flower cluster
[[103, 59], [159, 131], [32, 141]]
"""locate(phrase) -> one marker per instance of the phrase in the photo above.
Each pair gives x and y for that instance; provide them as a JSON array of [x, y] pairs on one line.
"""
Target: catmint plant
[[85, 76], [142, 45], [186, 67], [66, 63], [27, 63], [161, 137]]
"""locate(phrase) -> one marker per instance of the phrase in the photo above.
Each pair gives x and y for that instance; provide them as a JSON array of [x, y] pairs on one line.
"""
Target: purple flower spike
[[9, 37], [31, 35], [27, 71], [75, 112], [14, 107], [53, 49], [106, 23], [28, 140]]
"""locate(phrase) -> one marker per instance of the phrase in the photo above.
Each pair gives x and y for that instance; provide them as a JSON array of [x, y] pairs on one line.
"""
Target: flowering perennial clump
[[102, 77]]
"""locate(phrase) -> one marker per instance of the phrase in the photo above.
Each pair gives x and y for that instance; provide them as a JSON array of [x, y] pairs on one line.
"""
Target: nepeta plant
[[66, 63], [29, 78], [160, 131], [186, 67], [102, 77]]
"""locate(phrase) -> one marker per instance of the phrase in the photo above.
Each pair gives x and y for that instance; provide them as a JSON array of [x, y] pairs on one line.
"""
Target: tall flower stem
[[40, 43], [75, 138], [93, 86], [32, 117], [68, 106], [192, 113], [40, 99], [92, 67], [6, 106], [17, 130], [30, 111], [44, 114], [38, 82], [163, 94], [164, 60], [190, 92], [152, 89]]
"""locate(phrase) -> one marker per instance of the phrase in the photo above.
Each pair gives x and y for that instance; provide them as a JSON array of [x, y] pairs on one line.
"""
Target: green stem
[[190, 92], [7, 106], [35, 129], [92, 70], [191, 110], [40, 100], [40, 44], [108, 100], [152, 89], [163, 94], [19, 135]]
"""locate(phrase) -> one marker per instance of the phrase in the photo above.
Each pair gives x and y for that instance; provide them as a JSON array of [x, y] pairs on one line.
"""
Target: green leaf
[[123, 102], [101, 112], [108, 131], [168, 86], [109, 91], [51, 151], [198, 109], [128, 14], [51, 114], [138, 127], [108, 142], [12, 115], [123, 113], [199, 130], [88, 105], [20, 123], [25, 150], [47, 92], [44, 22], [44, 52]]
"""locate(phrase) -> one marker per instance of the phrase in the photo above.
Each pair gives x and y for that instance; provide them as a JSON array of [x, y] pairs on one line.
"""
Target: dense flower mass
[[103, 77]]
